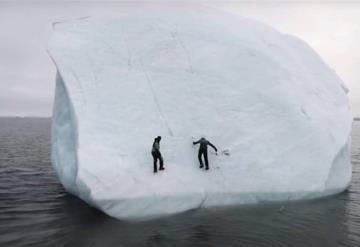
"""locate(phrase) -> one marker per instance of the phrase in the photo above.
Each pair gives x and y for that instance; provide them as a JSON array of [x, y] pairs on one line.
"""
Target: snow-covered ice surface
[[183, 74]]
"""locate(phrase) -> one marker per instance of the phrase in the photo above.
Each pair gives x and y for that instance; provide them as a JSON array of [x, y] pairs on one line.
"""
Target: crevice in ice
[[125, 40], [156, 99], [175, 36], [304, 112], [64, 21], [205, 197]]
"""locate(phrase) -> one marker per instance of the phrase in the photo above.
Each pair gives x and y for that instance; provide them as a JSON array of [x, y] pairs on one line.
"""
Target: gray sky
[[27, 75]]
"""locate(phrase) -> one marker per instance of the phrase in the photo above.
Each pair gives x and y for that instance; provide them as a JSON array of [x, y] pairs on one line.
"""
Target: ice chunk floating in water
[[265, 96]]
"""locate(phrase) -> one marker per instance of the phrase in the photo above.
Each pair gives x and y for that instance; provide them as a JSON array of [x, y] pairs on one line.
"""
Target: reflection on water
[[36, 211]]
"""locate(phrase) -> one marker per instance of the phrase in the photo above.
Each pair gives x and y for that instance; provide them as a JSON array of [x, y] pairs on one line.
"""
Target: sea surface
[[36, 211]]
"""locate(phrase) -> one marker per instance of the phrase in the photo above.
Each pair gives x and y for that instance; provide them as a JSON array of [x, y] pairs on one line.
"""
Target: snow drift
[[266, 97]]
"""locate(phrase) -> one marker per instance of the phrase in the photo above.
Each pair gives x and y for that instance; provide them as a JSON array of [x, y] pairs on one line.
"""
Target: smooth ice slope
[[182, 74]]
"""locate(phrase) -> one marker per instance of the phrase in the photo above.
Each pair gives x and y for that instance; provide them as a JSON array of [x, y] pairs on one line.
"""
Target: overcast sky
[[27, 74]]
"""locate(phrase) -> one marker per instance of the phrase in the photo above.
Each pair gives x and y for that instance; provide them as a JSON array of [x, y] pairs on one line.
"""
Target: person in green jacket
[[156, 154]]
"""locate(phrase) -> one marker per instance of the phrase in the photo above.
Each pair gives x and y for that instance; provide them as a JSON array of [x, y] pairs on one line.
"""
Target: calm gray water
[[36, 211]]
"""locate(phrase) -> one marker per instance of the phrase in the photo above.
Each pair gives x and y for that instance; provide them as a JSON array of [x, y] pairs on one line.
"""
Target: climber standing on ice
[[156, 154], [203, 151]]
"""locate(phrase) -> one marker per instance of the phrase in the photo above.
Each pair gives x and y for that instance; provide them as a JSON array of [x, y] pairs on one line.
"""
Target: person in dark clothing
[[156, 154], [203, 151]]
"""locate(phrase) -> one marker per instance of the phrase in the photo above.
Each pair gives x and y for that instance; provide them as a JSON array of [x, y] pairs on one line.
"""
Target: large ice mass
[[265, 97]]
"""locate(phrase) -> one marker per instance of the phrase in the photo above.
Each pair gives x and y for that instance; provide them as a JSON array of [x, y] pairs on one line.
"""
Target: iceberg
[[278, 114]]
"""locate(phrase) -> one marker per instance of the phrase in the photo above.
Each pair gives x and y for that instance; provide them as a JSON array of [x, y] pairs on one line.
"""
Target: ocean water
[[36, 211]]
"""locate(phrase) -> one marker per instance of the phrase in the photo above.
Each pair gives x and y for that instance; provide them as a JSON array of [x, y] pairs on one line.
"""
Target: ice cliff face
[[183, 74]]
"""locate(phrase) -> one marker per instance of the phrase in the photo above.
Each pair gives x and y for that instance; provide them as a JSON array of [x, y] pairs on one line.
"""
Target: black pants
[[157, 156], [203, 153]]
